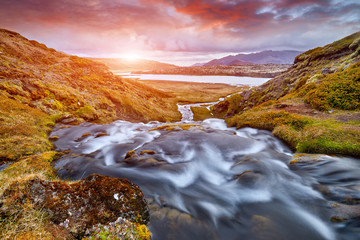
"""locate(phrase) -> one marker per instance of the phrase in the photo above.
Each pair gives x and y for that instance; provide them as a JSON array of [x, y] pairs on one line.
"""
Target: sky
[[181, 32]]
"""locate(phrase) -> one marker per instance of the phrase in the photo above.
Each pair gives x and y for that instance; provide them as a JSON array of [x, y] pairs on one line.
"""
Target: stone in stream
[[173, 224], [263, 228], [248, 178], [80, 205], [145, 161], [344, 198]]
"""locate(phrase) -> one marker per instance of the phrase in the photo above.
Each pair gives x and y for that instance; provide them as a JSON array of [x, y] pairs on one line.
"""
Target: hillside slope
[[313, 106], [43, 84], [125, 65]]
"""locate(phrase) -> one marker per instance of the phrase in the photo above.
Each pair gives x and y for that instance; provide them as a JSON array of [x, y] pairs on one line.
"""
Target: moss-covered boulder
[[78, 206]]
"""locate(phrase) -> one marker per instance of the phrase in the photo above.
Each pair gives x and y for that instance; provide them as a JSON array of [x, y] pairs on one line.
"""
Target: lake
[[231, 80]]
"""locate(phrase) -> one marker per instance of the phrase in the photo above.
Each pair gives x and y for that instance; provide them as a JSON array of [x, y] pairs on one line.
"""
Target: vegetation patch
[[120, 229], [201, 113], [20, 219], [339, 90], [23, 130], [304, 133]]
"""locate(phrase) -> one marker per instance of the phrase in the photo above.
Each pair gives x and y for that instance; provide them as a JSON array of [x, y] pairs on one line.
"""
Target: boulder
[[80, 205]]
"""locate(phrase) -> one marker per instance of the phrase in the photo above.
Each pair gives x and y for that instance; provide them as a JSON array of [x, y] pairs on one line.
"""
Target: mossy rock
[[88, 113], [78, 206]]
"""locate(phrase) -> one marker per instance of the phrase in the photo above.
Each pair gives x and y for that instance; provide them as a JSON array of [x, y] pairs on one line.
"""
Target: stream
[[203, 180]]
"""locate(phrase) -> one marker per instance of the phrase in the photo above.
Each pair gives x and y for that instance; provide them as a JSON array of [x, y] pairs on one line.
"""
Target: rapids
[[208, 181]]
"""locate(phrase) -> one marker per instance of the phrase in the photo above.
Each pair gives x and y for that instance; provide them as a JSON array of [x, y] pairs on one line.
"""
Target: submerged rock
[[304, 158], [78, 206]]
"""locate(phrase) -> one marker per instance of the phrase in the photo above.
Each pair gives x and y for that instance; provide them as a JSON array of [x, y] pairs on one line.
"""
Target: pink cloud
[[106, 27]]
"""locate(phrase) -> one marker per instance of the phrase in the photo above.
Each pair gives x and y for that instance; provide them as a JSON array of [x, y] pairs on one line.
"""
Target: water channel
[[203, 180]]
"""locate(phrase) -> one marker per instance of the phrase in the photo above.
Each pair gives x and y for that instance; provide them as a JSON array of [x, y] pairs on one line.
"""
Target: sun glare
[[131, 56]]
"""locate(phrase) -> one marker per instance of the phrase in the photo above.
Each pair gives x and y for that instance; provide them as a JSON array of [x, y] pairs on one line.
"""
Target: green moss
[[201, 113], [57, 105], [304, 133], [124, 230], [87, 112]]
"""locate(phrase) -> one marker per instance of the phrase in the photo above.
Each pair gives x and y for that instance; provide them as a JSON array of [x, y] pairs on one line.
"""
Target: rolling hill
[[314, 106], [126, 65], [40, 86]]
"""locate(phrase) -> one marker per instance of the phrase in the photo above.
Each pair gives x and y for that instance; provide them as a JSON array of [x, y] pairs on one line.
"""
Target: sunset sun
[[131, 56]]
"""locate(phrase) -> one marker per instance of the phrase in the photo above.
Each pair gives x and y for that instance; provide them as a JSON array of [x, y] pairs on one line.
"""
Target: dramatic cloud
[[178, 29]]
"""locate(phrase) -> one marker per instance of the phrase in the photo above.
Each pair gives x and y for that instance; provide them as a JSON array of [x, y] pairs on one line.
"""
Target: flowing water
[[208, 181]]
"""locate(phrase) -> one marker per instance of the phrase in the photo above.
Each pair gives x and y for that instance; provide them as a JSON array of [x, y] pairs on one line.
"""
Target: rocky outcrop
[[78, 206]]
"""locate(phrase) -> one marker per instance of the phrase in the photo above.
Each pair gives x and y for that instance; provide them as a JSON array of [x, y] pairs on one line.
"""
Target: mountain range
[[264, 57]]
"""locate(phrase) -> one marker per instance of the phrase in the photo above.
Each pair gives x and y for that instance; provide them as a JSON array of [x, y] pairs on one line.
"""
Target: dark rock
[[326, 71], [68, 119], [280, 106], [54, 138], [94, 200], [248, 178]]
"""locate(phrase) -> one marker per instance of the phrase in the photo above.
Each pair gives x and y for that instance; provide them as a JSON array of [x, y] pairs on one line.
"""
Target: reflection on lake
[[231, 80]]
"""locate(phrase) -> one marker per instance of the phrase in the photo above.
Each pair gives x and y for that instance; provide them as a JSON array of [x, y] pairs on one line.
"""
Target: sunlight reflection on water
[[231, 80]]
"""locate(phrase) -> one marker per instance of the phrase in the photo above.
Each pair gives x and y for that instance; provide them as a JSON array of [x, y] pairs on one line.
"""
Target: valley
[[259, 162]]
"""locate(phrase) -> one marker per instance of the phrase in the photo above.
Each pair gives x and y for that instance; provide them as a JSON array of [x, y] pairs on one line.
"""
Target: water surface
[[208, 181], [231, 80]]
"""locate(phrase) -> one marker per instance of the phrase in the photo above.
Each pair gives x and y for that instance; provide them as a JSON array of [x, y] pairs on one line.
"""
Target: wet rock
[[147, 152], [248, 178], [304, 158], [101, 135], [78, 206], [173, 224], [344, 195], [132, 159], [342, 212], [246, 164], [263, 228], [85, 135]]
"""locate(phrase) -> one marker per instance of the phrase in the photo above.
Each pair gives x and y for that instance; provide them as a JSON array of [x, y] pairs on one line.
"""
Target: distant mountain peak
[[263, 57]]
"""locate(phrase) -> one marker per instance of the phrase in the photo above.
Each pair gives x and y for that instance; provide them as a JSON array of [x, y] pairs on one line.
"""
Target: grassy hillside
[[314, 106], [126, 65], [40, 86]]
